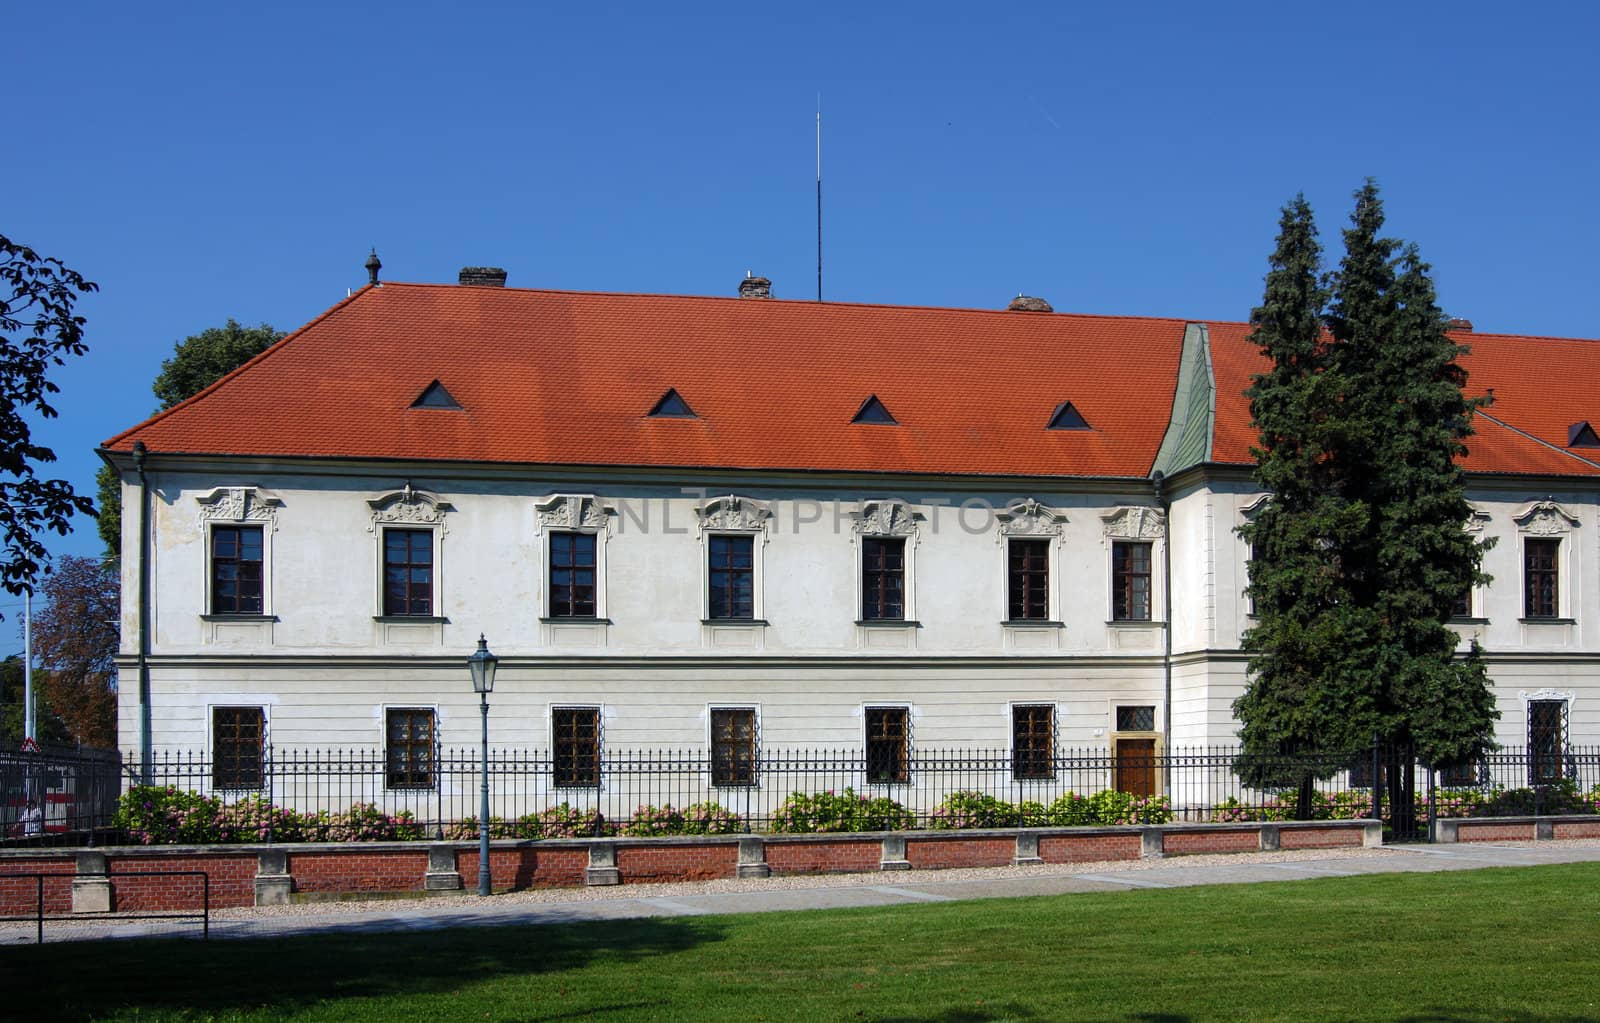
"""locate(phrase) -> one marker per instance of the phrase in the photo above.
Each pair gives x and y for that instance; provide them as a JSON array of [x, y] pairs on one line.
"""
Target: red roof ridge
[[281, 343], [804, 302]]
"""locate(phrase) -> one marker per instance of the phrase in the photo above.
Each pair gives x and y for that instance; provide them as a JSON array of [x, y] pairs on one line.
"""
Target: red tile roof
[[1541, 387], [568, 378]]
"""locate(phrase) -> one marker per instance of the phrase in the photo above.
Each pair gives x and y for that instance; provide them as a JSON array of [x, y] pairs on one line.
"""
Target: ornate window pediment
[[408, 507], [1255, 506], [734, 513], [1030, 518], [239, 504], [1546, 518], [573, 511], [888, 517], [1477, 519], [1135, 522]]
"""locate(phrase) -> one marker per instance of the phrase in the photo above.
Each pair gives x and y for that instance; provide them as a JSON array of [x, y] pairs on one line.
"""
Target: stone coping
[[422, 845], [1567, 818]]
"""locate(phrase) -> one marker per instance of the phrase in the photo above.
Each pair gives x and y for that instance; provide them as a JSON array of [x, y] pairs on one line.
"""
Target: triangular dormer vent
[[435, 396], [1067, 418], [672, 406], [873, 411], [1582, 435]]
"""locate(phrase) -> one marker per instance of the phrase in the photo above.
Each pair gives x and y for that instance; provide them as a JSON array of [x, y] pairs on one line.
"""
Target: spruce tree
[[1360, 553]]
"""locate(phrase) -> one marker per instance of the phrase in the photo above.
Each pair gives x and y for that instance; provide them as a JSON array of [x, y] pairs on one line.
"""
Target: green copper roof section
[[1194, 406]]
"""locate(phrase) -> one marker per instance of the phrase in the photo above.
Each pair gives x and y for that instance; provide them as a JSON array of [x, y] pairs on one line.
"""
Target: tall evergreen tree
[[1360, 554]]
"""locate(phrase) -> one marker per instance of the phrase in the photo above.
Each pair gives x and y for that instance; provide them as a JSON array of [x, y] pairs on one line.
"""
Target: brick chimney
[[1457, 323], [482, 276], [754, 287], [1029, 304]]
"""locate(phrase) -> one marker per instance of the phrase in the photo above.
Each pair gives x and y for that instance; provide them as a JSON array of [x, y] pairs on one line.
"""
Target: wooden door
[[1136, 766]]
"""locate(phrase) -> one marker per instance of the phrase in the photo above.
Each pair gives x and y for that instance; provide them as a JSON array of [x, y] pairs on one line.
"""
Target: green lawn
[[1488, 945]]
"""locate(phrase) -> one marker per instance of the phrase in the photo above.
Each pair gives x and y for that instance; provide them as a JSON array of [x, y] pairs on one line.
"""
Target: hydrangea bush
[[843, 811]]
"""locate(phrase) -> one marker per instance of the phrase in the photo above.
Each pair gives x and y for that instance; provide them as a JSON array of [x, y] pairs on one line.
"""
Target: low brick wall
[[824, 855], [1515, 829], [86, 880]]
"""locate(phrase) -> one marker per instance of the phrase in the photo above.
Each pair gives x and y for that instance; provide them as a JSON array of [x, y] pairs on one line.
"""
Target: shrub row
[[1560, 798]]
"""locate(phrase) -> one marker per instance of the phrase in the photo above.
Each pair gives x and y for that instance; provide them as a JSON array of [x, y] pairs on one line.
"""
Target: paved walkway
[[828, 893]]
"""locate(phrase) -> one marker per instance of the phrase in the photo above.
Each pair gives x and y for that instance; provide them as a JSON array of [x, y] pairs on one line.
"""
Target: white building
[[744, 523]]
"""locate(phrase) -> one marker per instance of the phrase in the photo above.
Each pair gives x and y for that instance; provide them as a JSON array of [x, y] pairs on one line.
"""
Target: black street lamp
[[482, 664]]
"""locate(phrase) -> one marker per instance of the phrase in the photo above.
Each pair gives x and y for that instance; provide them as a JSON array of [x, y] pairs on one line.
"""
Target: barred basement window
[[888, 744], [237, 743], [409, 744], [1033, 742], [1547, 741], [576, 746], [733, 746], [1130, 582], [236, 570], [1028, 597]]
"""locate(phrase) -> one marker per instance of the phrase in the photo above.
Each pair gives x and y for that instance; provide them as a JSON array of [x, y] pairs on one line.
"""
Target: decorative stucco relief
[[408, 507], [1546, 518], [239, 504], [735, 513], [1135, 523], [1030, 518], [573, 511], [885, 518]]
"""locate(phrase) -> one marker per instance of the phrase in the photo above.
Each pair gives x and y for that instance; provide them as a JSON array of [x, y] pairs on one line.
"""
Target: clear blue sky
[[220, 160]]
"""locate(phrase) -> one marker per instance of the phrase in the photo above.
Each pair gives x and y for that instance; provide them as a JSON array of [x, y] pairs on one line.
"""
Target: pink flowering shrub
[[845, 811], [979, 810], [698, 819], [167, 815]]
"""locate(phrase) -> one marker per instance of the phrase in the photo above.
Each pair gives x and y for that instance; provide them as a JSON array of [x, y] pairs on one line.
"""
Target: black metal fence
[[343, 794], [57, 795]]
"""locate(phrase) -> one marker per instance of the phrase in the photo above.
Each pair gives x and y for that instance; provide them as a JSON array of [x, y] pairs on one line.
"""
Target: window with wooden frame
[[883, 579], [1130, 581], [888, 744], [733, 746], [1028, 575], [576, 746], [409, 744], [1461, 607], [572, 575], [408, 572], [1541, 579], [236, 570], [1033, 740], [238, 746], [731, 577]]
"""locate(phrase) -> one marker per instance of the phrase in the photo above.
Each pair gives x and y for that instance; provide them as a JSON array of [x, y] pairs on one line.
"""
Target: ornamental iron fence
[[287, 794], [57, 795]]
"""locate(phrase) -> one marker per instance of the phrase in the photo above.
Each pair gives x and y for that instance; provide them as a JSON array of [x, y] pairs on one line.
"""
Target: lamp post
[[482, 664]]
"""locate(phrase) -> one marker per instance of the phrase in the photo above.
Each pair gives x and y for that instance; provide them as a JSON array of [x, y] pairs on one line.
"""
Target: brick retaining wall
[[243, 875]]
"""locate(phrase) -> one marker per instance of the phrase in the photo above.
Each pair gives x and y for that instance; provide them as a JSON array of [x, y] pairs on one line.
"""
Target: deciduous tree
[[75, 641], [38, 330]]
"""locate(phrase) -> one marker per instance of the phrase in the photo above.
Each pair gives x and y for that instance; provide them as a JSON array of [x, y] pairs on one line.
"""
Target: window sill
[[238, 618], [1134, 623], [1032, 623], [889, 623], [1470, 620], [734, 621], [411, 619], [1548, 621], [575, 620]]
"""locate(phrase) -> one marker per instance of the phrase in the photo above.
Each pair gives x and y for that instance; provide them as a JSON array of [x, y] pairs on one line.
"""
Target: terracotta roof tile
[[1541, 387], [569, 377]]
